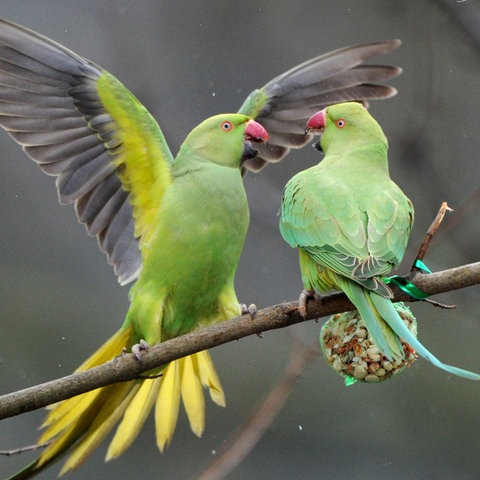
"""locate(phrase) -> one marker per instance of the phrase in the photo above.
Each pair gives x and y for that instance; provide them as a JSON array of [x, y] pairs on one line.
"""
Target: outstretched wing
[[80, 124], [284, 104]]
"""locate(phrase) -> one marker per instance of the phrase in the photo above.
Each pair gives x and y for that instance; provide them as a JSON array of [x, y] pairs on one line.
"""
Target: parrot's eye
[[227, 126], [340, 123]]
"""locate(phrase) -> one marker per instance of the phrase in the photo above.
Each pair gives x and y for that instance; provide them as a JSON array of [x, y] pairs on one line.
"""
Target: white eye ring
[[227, 126], [340, 123]]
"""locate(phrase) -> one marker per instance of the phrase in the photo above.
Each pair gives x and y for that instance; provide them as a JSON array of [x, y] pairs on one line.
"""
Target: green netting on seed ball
[[348, 348]]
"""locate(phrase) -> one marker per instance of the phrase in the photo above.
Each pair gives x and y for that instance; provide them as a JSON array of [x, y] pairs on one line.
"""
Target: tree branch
[[127, 367]]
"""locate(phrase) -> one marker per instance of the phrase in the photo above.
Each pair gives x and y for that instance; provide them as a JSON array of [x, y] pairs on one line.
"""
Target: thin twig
[[439, 304], [424, 247], [28, 448], [430, 233], [463, 211]]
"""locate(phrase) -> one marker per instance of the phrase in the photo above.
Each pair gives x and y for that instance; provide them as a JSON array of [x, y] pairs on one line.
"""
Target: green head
[[344, 126], [225, 139]]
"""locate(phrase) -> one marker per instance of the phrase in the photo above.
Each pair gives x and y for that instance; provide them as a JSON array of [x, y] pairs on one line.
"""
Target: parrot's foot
[[251, 310], [303, 299], [139, 347]]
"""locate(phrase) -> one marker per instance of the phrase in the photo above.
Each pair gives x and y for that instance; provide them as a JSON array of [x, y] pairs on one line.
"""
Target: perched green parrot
[[176, 225], [351, 224]]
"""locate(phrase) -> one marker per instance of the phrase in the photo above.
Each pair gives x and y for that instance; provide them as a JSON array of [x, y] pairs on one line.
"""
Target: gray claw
[[251, 310], [139, 347], [303, 299]]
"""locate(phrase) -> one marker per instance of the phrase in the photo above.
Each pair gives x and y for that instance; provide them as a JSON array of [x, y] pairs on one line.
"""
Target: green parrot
[[176, 225], [351, 224]]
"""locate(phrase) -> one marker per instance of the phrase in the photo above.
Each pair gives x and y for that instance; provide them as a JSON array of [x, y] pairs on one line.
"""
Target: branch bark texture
[[127, 367]]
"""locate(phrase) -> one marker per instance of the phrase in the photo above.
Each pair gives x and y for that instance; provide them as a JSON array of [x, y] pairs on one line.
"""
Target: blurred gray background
[[189, 60]]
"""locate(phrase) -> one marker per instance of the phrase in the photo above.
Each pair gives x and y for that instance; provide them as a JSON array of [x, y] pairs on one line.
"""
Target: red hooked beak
[[316, 122], [255, 132]]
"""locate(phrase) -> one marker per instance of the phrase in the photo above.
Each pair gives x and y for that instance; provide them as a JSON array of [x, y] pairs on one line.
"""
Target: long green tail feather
[[387, 311], [380, 331], [386, 327], [24, 473]]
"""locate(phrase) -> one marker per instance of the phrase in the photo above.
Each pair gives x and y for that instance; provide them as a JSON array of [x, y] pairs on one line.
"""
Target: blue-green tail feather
[[386, 327], [380, 331], [386, 309]]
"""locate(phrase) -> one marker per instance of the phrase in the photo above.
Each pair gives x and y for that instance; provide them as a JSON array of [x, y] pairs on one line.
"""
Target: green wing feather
[[141, 154], [82, 125], [320, 215]]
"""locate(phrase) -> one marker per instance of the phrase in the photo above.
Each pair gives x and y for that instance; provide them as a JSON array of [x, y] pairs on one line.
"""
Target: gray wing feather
[[284, 104], [49, 105]]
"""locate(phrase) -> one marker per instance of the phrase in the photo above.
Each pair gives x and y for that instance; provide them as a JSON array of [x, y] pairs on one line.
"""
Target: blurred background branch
[[244, 439], [467, 14]]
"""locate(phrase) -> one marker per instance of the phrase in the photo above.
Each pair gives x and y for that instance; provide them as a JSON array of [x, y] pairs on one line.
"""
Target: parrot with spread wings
[[175, 225]]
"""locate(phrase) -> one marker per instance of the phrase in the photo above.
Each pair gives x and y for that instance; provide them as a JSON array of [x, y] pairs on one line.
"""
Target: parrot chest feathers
[[193, 254]]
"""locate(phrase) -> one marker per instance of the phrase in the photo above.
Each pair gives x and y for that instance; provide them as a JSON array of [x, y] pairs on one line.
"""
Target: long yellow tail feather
[[168, 403], [106, 419], [81, 423], [192, 394], [68, 413], [184, 378], [102, 425], [210, 378], [135, 415], [113, 347]]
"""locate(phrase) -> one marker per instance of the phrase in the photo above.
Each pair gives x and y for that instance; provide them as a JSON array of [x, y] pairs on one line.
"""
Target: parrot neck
[[362, 158], [194, 159]]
